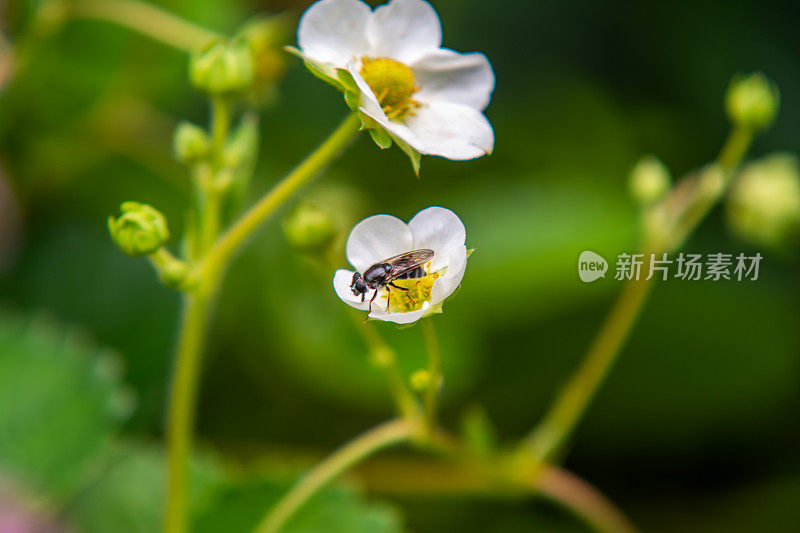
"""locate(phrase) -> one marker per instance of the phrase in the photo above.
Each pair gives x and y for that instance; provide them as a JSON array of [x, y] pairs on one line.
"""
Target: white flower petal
[[453, 131], [334, 31], [399, 318], [440, 230], [376, 238], [404, 30], [445, 285], [369, 102], [341, 284], [452, 77]]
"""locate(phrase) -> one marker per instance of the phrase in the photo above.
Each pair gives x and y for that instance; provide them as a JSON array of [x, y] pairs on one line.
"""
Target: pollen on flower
[[419, 292], [393, 84]]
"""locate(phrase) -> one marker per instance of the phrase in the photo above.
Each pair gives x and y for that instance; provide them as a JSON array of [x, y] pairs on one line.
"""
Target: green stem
[[230, 242], [434, 372], [549, 436], [181, 409], [220, 124], [575, 397], [383, 436], [198, 303], [146, 19], [729, 158], [211, 194], [196, 314]]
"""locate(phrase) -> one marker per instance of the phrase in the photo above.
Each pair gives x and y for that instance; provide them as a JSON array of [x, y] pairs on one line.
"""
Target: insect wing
[[408, 261]]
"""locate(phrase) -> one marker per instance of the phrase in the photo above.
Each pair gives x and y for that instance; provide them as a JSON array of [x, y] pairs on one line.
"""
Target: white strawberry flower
[[394, 71], [377, 238]]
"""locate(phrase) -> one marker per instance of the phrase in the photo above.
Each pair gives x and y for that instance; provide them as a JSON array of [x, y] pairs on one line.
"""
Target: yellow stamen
[[393, 84], [419, 291]]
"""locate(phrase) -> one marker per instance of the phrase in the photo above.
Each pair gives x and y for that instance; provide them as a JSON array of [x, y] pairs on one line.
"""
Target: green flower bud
[[140, 230], [752, 101], [223, 68], [190, 143], [421, 380], [764, 203], [266, 37], [649, 180], [309, 228]]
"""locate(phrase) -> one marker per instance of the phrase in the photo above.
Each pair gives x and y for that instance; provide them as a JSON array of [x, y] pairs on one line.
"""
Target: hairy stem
[[231, 240], [383, 436], [146, 19]]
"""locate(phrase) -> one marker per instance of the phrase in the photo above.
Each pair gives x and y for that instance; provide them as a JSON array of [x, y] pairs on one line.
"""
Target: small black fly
[[383, 273]]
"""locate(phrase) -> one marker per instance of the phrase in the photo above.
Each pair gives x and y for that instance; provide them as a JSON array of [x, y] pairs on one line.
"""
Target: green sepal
[[353, 101], [347, 80], [381, 137], [324, 72], [413, 155]]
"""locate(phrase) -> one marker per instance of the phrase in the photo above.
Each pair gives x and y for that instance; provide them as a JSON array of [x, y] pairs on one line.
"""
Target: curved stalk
[[198, 304], [232, 239], [549, 436], [180, 418], [146, 19], [383, 436]]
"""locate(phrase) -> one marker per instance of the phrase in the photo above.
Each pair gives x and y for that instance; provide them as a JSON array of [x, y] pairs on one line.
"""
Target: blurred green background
[[696, 429]]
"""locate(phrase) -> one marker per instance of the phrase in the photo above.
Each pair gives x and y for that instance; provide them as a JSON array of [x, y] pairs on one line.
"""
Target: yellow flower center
[[393, 84], [419, 291]]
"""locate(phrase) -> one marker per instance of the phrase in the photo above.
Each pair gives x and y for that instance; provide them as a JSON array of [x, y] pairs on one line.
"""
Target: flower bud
[[140, 230], [309, 228], [764, 203], [752, 101], [649, 180], [190, 143], [266, 37], [421, 380], [222, 68]]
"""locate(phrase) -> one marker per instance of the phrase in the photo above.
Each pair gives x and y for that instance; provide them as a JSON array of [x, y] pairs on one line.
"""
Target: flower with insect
[[403, 271], [394, 72]]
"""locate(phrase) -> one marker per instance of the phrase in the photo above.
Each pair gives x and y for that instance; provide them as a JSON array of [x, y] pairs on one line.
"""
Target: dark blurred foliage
[[696, 428]]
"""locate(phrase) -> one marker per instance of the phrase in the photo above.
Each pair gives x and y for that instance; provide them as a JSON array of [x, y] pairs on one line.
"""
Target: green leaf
[[240, 507], [128, 496], [61, 402]]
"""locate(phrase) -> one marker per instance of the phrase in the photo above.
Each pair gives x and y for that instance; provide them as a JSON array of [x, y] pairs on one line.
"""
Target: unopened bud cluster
[[139, 230]]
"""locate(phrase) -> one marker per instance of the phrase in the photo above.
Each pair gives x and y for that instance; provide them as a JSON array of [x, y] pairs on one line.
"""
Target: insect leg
[[375, 294], [391, 283], [388, 295]]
